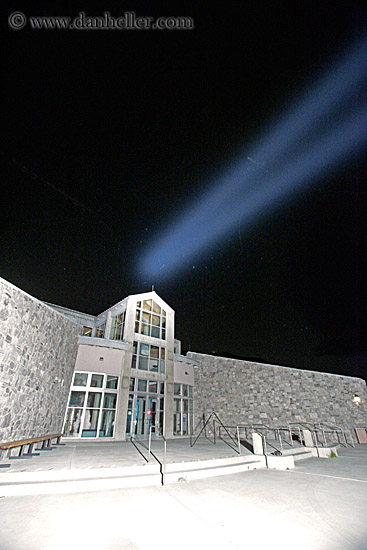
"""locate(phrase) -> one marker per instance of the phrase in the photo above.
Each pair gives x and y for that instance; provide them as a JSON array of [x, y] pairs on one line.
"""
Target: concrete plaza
[[321, 504]]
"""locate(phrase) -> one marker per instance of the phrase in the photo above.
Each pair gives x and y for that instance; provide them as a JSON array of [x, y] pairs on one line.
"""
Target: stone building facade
[[130, 378], [121, 374], [243, 392], [38, 348]]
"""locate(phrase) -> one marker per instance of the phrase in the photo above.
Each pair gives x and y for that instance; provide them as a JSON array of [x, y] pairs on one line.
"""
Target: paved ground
[[321, 505], [90, 454]]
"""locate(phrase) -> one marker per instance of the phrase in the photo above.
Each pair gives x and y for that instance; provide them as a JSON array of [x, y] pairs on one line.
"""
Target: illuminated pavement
[[322, 504], [79, 454]]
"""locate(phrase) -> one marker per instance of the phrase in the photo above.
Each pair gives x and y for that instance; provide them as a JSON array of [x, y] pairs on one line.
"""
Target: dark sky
[[110, 134]]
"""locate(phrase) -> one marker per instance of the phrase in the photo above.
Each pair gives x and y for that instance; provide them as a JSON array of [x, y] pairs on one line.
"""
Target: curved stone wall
[[38, 348]]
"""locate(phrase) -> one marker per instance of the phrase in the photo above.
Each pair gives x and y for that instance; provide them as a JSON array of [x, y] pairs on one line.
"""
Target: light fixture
[[356, 399]]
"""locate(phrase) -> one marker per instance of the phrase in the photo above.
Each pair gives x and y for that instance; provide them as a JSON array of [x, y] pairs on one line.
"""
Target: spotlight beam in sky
[[326, 128]]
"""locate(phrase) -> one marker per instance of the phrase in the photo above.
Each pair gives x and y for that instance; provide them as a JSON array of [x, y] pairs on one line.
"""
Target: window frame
[[101, 410], [144, 314], [139, 359]]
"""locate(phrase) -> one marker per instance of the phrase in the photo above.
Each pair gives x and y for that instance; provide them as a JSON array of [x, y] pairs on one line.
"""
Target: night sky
[[110, 135]]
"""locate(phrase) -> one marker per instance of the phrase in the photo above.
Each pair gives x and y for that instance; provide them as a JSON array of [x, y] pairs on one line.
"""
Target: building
[[129, 374], [122, 374]]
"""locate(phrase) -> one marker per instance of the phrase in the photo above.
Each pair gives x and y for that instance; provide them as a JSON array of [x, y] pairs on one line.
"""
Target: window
[[80, 379], [150, 319], [109, 401], [148, 357], [117, 326], [87, 331], [91, 413], [97, 380], [77, 398], [94, 399], [183, 408], [100, 331], [112, 382]]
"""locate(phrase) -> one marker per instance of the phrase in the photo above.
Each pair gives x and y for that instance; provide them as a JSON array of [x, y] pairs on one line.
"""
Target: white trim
[[102, 342], [183, 359]]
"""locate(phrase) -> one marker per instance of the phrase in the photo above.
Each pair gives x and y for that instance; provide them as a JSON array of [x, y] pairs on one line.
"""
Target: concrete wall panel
[[100, 359]]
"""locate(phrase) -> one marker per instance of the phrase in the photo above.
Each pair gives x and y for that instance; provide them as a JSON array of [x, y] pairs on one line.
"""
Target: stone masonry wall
[[242, 392], [38, 348]]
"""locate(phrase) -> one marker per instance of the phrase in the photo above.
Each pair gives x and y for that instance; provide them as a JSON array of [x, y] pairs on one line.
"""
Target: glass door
[[152, 415], [140, 424], [145, 408]]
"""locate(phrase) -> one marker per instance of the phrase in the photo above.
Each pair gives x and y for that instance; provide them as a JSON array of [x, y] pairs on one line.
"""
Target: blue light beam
[[326, 128]]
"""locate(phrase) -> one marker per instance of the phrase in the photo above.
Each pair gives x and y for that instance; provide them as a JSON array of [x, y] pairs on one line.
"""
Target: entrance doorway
[[145, 410], [140, 416], [145, 416]]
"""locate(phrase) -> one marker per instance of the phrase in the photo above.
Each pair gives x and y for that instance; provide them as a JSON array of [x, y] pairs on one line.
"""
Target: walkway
[[320, 505], [81, 454]]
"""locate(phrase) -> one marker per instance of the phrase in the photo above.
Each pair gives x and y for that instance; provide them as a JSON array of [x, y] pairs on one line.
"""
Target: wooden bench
[[46, 441]]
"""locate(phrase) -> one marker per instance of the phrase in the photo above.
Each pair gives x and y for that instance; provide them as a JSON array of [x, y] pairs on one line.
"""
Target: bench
[[46, 441]]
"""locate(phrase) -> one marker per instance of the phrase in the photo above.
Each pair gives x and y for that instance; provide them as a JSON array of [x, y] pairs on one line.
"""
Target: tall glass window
[[150, 319], [117, 327], [183, 409], [92, 405]]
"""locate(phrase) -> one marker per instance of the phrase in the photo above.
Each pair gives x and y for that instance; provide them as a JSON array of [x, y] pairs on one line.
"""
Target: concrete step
[[201, 469], [302, 453], [104, 479], [299, 453], [78, 480]]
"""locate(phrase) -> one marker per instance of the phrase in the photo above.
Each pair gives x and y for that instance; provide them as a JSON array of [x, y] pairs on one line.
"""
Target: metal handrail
[[287, 430], [336, 429], [257, 428], [162, 465], [132, 441], [205, 422], [265, 446], [310, 428], [277, 433], [237, 440], [239, 427], [266, 443], [217, 419], [271, 429], [213, 415]]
